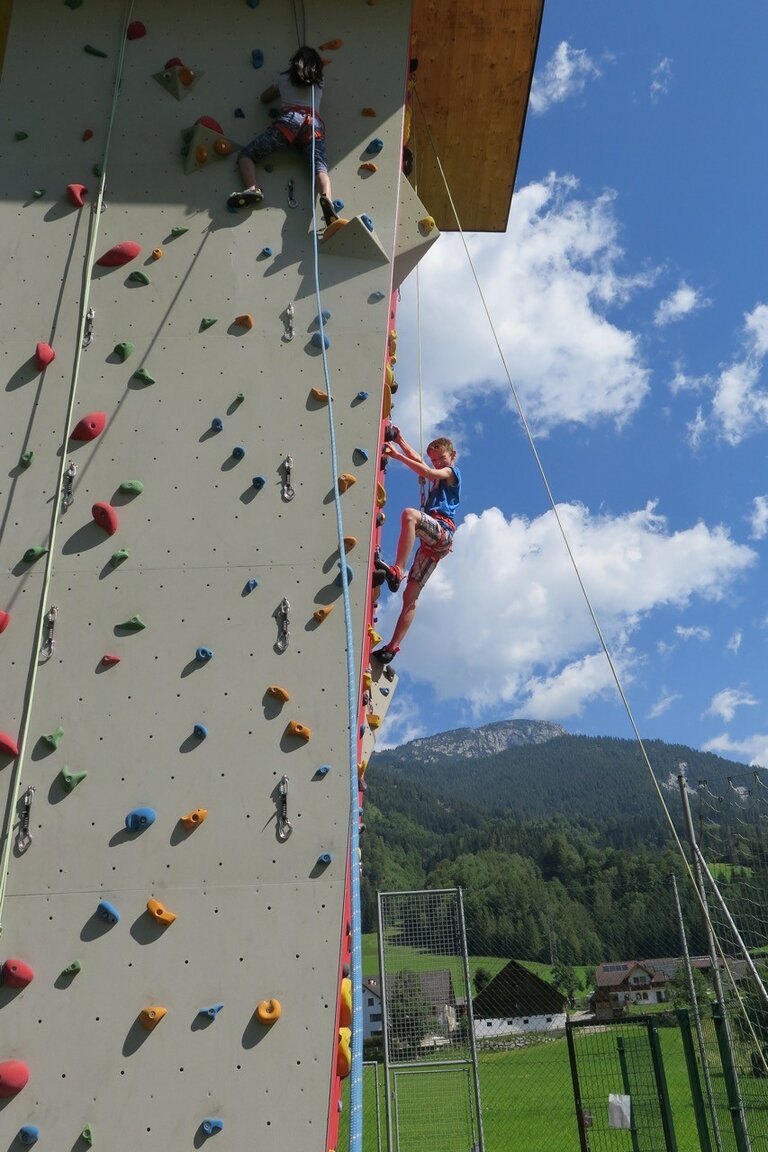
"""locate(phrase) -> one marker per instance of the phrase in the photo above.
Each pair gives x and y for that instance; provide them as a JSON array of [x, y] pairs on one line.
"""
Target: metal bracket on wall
[[283, 622], [49, 624], [67, 497]]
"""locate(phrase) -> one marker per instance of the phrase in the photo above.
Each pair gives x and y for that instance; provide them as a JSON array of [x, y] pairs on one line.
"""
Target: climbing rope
[[300, 22], [356, 1072], [84, 327], [585, 594]]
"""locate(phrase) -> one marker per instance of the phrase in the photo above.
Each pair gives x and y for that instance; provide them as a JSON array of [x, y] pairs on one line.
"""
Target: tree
[[482, 978], [680, 988], [410, 1014], [564, 977]]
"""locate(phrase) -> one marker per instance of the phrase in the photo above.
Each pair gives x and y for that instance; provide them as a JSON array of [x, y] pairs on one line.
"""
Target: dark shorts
[[273, 140], [437, 541]]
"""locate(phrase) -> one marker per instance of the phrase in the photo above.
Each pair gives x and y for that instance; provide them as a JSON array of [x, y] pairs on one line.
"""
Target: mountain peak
[[474, 743]]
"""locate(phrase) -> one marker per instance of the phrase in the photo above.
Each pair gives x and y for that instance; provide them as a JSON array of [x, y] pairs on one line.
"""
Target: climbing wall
[[174, 757]]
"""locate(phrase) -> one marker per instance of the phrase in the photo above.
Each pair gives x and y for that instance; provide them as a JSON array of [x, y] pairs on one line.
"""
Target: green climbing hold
[[72, 969], [21, 135], [144, 376], [34, 553], [119, 556], [26, 459], [207, 322], [135, 624], [178, 230], [124, 350], [89, 48], [87, 1134], [73, 4], [38, 192], [96, 170], [134, 486], [139, 278], [240, 397], [70, 780], [53, 739]]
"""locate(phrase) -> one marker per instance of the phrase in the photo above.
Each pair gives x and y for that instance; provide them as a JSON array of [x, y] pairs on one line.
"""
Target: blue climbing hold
[[238, 451], [203, 655], [107, 911], [320, 340], [360, 455], [338, 206], [212, 1124], [251, 584], [325, 314], [375, 146], [266, 250], [211, 1012], [323, 770], [362, 396], [29, 1134], [258, 482], [362, 731], [140, 818], [252, 3], [377, 295], [239, 114], [350, 575], [217, 424], [325, 858], [384, 691], [200, 731], [367, 221], [257, 58]]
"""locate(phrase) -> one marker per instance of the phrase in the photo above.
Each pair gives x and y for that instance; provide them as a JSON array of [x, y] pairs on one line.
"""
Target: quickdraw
[[67, 497], [24, 836], [289, 314], [48, 645], [287, 491], [284, 826], [283, 622], [88, 334]]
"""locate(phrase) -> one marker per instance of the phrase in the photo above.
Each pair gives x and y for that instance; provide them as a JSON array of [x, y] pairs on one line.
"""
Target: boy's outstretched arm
[[417, 465], [407, 450]]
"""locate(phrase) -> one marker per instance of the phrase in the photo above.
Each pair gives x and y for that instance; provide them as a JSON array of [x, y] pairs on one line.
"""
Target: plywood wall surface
[[256, 918]]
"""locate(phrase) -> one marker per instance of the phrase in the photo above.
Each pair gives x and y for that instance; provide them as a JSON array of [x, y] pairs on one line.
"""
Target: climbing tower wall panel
[[256, 918]]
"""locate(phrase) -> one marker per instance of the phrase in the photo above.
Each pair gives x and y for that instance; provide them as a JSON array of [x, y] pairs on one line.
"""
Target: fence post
[[697, 1095], [657, 1060], [735, 1106], [628, 1091], [583, 1141]]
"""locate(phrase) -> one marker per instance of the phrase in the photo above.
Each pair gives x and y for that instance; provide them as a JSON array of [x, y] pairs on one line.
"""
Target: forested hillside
[[562, 840]]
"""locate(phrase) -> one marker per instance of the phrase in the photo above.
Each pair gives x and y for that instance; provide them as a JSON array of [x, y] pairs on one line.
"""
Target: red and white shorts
[[436, 542]]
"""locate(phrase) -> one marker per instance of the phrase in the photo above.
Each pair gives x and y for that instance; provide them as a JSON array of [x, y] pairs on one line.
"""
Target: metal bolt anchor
[[49, 624], [292, 201], [23, 836], [67, 498], [287, 491], [88, 334], [288, 322], [284, 827], [283, 633]]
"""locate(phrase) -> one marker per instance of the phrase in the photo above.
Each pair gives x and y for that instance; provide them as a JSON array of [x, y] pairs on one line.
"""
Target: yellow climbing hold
[[157, 253], [375, 638], [323, 613], [344, 1053], [159, 912], [349, 543], [381, 496], [195, 817], [369, 166], [331, 45], [268, 1011], [427, 225], [346, 480], [374, 721], [150, 1017], [345, 1003]]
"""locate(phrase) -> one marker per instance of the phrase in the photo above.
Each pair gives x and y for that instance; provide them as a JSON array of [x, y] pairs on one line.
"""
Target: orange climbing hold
[[186, 76], [331, 45], [301, 731], [369, 166], [268, 1011], [368, 112], [150, 1017], [223, 147], [361, 771], [159, 912], [201, 154], [319, 395], [346, 480], [323, 613], [44, 355], [279, 693], [244, 321], [157, 253], [349, 543], [192, 819], [367, 681], [8, 747]]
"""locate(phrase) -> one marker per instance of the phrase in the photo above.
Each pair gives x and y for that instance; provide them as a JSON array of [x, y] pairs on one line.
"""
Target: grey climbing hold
[[217, 424], [124, 349], [133, 624], [203, 655], [320, 340], [119, 556], [38, 192], [377, 295], [139, 277], [239, 398], [89, 48], [144, 376], [21, 135], [239, 114], [360, 455], [97, 170]]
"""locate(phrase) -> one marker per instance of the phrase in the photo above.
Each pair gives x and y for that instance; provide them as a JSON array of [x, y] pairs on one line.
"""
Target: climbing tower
[[190, 427]]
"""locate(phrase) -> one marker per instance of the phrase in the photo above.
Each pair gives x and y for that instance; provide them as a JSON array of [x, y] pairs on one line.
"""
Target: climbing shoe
[[386, 654], [326, 207], [248, 198], [393, 575]]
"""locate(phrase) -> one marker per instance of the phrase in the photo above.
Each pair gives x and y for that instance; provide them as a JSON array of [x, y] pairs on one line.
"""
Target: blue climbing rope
[[356, 1073]]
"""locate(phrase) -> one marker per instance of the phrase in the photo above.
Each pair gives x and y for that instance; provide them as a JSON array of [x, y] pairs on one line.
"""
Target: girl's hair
[[306, 67], [442, 444]]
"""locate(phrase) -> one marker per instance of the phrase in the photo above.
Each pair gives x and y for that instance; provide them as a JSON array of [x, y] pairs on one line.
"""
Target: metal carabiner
[[67, 498], [49, 644], [88, 334], [284, 826], [283, 622], [24, 836], [292, 202], [288, 322], [287, 491]]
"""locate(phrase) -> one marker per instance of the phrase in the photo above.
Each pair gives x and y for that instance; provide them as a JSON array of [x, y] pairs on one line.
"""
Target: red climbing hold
[[16, 974], [90, 426], [5, 620], [87, 134], [174, 62], [209, 122], [8, 747], [44, 355], [76, 194], [136, 30], [121, 253], [108, 659], [14, 1075], [105, 516]]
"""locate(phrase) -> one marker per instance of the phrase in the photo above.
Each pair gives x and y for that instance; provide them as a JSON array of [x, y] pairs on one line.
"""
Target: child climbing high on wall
[[300, 91], [434, 525]]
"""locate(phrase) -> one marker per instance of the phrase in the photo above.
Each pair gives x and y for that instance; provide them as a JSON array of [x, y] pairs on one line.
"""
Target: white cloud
[[679, 303], [519, 633], [663, 704], [564, 74], [734, 643], [696, 429], [725, 703], [695, 632], [739, 403], [548, 283], [759, 518], [403, 722], [753, 748], [661, 78], [682, 382]]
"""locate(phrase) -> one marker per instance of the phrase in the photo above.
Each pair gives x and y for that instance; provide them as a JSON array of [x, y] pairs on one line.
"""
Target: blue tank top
[[444, 497]]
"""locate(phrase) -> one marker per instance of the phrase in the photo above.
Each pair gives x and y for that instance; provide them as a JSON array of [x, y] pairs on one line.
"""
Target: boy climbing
[[300, 91], [434, 525]]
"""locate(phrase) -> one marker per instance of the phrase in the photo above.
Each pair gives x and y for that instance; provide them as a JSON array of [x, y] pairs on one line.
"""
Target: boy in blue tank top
[[434, 526]]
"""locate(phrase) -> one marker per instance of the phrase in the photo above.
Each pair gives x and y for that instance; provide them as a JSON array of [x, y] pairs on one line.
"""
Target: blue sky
[[630, 296]]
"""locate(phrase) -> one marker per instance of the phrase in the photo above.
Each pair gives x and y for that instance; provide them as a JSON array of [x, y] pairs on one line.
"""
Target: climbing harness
[[292, 201], [287, 491], [24, 836], [283, 623], [67, 498], [284, 827], [48, 645]]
